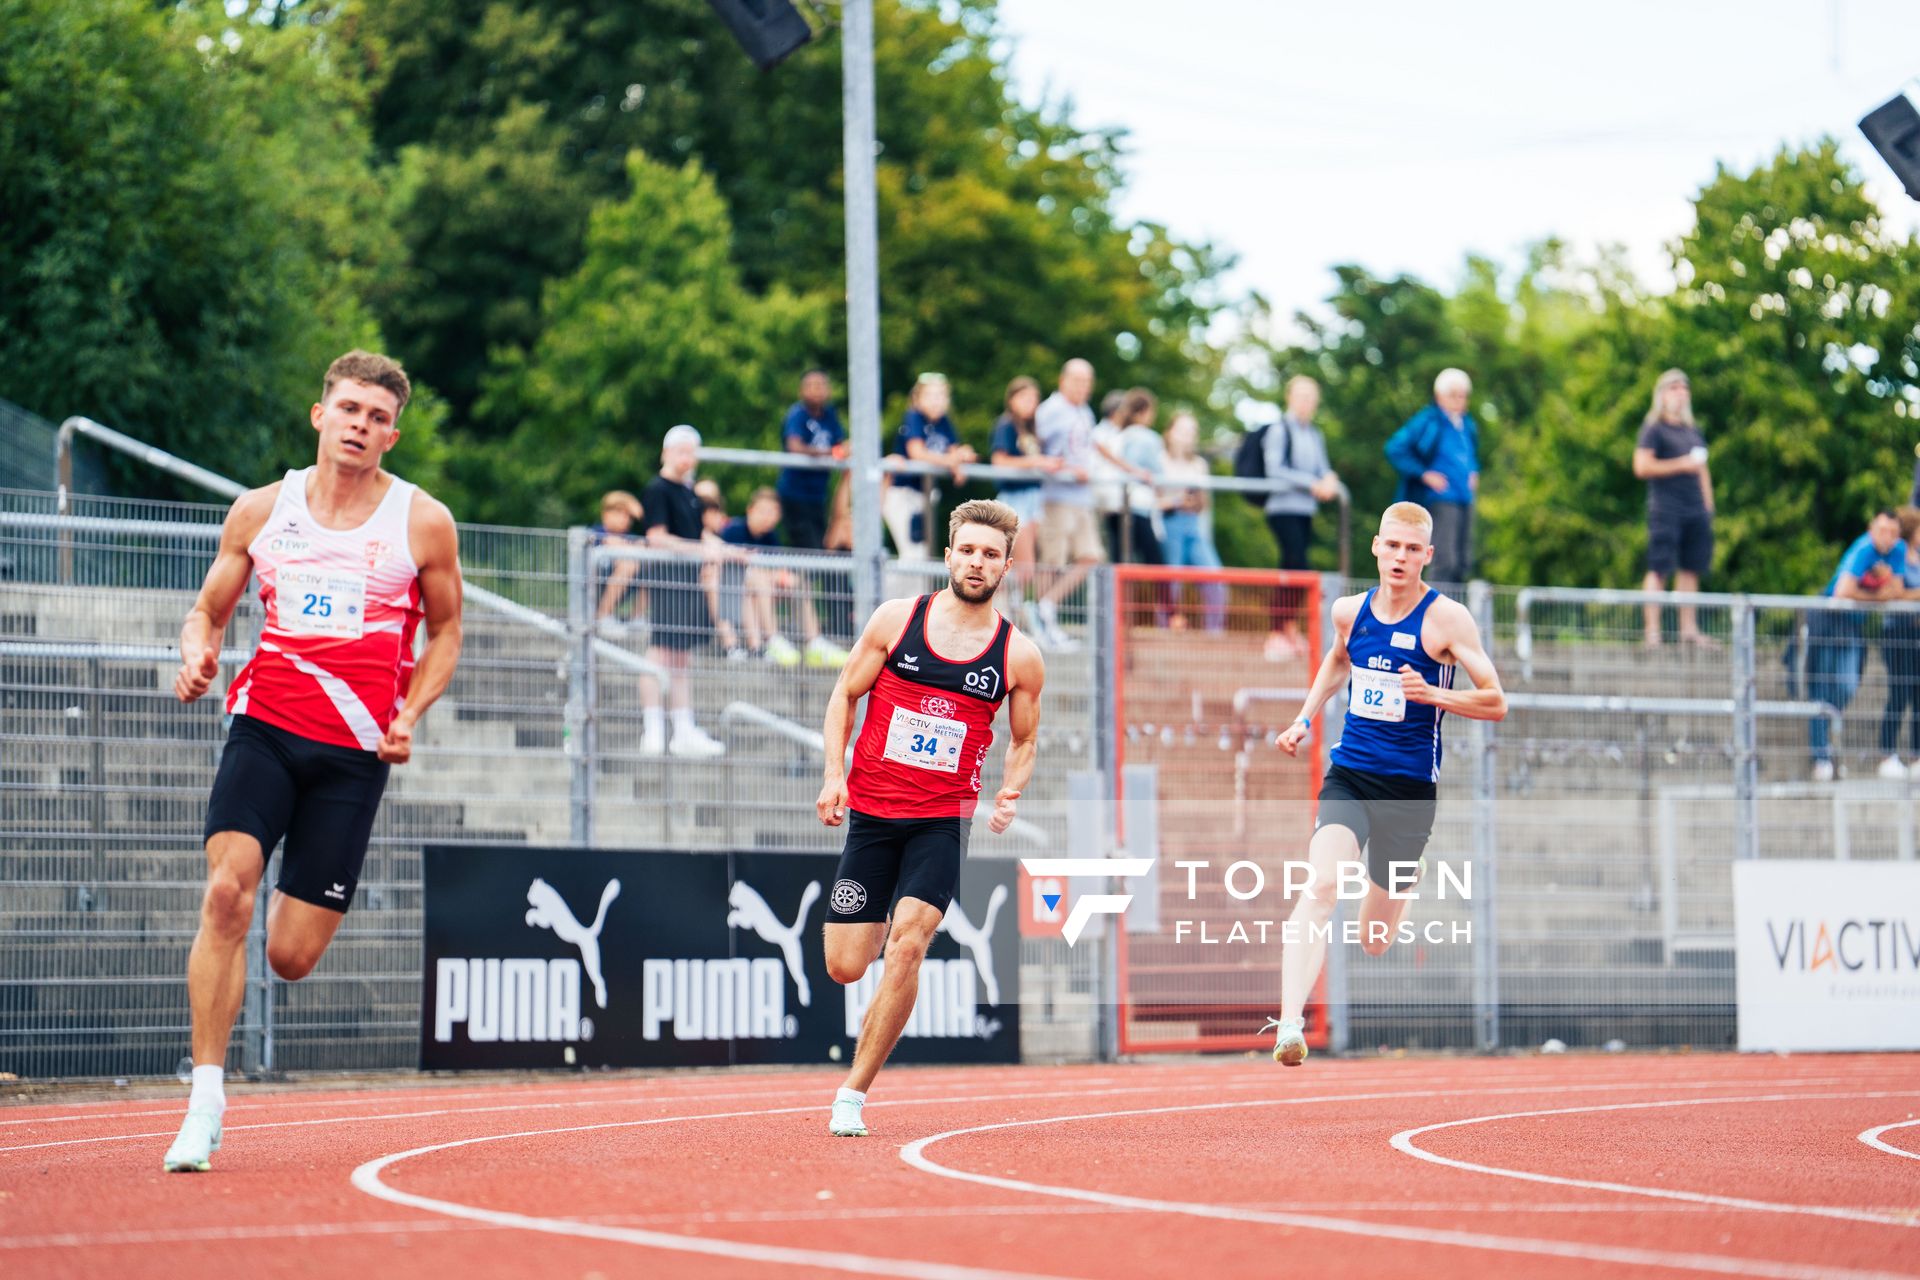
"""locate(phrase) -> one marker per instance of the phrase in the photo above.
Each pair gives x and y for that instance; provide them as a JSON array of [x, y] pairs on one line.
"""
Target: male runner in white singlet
[[349, 559], [934, 670]]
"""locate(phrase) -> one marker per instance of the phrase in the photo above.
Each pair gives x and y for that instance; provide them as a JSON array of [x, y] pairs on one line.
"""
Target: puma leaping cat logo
[[750, 911], [550, 911], [978, 941]]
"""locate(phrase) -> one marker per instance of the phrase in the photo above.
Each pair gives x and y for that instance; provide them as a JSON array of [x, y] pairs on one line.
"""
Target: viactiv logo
[[1088, 905]]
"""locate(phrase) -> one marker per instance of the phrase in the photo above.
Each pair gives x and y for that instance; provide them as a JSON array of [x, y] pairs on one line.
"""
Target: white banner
[[1827, 955]]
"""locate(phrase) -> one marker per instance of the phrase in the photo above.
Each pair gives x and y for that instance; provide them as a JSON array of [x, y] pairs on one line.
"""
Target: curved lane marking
[[1873, 1139]]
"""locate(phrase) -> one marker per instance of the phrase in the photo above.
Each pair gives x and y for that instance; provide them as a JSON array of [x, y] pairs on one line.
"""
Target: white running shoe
[[781, 653], [1892, 770], [192, 1151], [653, 742], [847, 1121], [1289, 1041], [1823, 771], [692, 743], [822, 652]]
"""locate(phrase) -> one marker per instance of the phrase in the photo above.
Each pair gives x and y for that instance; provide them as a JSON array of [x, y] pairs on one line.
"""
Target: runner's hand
[[196, 674], [1002, 810], [832, 804], [1415, 686], [396, 744], [1290, 739]]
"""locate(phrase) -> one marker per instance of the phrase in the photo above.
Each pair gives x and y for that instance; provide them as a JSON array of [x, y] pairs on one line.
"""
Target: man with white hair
[[677, 607], [1437, 454]]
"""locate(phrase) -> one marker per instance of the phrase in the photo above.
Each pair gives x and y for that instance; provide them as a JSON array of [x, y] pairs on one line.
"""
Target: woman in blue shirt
[[926, 435]]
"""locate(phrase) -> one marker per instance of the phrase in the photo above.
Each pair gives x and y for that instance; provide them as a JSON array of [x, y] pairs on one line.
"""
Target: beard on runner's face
[[974, 586]]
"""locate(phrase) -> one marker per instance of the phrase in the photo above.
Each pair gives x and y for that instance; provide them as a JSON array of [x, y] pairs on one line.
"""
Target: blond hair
[[1665, 380], [1408, 513], [372, 369], [994, 515]]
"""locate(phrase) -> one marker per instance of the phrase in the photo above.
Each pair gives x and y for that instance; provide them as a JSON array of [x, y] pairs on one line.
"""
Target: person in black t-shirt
[[1671, 456], [677, 606]]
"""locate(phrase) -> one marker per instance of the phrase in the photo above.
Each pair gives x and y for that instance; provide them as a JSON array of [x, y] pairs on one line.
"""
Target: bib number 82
[[1373, 697]]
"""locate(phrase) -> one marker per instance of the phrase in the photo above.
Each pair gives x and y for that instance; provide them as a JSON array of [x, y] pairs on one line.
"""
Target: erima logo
[[338, 891], [909, 660], [948, 1001], [737, 999], [526, 999], [1088, 905]]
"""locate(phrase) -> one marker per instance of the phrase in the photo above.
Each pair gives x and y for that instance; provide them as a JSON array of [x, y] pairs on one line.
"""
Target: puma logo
[[550, 911], [750, 911], [978, 942]]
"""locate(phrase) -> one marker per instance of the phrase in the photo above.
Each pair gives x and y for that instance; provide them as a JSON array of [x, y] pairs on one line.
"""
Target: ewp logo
[[1088, 905]]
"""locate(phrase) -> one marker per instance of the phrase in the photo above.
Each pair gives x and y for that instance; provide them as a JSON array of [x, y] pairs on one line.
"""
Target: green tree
[[187, 227], [999, 250], [654, 328]]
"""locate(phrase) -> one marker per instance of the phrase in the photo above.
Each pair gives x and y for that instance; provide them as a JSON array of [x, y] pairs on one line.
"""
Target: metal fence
[[1600, 820]]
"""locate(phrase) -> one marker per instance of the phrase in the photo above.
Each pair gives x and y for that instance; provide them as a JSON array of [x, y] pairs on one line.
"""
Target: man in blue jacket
[[1437, 454]]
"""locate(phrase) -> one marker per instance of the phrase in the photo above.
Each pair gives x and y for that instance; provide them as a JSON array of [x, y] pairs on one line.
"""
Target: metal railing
[[1601, 819]]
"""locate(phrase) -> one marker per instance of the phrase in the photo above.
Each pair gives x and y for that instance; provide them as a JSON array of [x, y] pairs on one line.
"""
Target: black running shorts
[[886, 859], [322, 798], [1391, 816]]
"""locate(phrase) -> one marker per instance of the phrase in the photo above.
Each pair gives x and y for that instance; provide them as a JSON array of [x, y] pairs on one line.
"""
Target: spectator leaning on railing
[[1292, 453], [1016, 443], [926, 435], [1437, 454], [1671, 456], [1873, 569], [1900, 648], [1068, 534], [811, 428], [677, 611], [1186, 515], [619, 514]]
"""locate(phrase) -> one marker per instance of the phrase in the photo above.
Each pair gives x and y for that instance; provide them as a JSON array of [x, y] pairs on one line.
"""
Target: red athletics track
[[1442, 1167]]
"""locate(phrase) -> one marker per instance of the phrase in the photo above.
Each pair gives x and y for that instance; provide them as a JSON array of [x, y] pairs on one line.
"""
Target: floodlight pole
[[863, 301]]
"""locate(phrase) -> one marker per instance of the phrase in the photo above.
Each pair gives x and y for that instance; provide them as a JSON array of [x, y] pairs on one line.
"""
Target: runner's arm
[[1486, 700], [1336, 666], [1029, 672], [437, 551], [857, 679], [206, 623]]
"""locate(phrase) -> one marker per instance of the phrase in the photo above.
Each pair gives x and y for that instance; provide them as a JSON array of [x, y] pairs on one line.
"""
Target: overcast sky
[[1403, 135]]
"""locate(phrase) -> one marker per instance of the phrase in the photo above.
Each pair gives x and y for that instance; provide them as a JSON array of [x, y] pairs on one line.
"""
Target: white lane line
[[1260, 1081], [1404, 1141], [1873, 1139], [367, 1177], [914, 1153], [870, 1213], [1078, 1091]]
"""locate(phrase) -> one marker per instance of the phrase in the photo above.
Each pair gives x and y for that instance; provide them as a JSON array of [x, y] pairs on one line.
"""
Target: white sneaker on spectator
[[739, 653], [1893, 770], [781, 653], [822, 652], [692, 743], [653, 742], [1823, 771]]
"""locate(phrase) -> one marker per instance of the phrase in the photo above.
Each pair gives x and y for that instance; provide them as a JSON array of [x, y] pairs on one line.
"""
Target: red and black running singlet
[[929, 724]]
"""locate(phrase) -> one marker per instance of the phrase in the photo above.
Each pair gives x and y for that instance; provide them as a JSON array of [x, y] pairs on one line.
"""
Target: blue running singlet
[[1384, 733]]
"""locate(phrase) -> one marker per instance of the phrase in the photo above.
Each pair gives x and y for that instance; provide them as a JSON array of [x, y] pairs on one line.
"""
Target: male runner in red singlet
[[916, 774], [349, 559]]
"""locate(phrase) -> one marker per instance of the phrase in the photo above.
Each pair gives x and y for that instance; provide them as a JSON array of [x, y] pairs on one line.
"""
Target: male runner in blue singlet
[[1398, 646]]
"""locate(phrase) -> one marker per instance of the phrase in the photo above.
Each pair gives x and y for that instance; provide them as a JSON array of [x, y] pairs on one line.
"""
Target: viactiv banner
[[598, 957], [1827, 955]]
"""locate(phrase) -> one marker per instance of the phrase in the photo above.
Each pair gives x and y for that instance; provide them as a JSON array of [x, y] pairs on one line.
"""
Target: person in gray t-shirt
[[1069, 539]]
